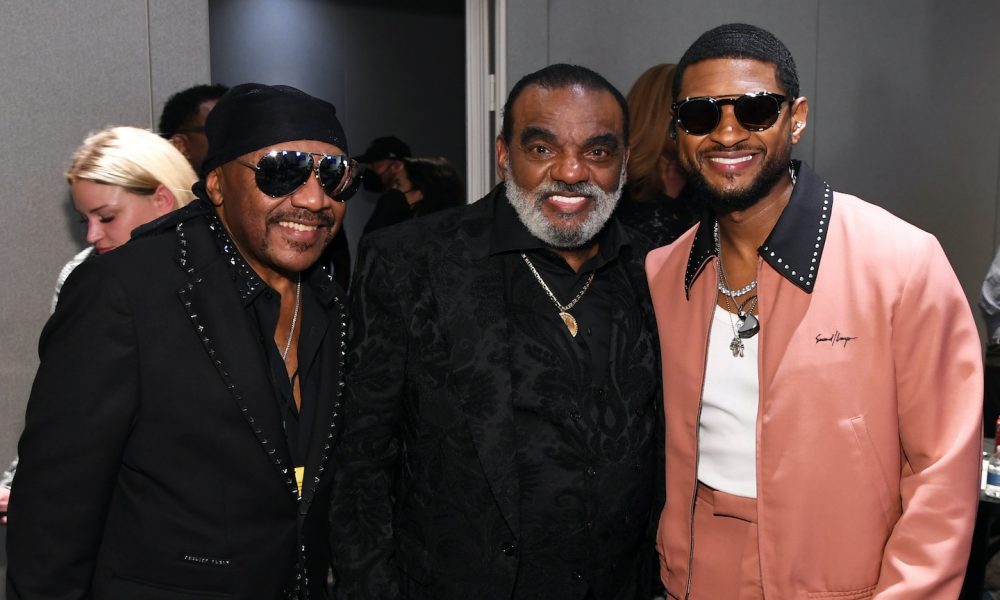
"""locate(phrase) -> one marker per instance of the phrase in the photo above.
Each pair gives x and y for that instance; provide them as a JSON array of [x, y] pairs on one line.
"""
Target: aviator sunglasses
[[281, 172], [754, 112]]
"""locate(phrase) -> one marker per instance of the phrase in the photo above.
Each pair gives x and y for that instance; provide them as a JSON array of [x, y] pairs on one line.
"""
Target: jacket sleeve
[[81, 407], [939, 384], [368, 449]]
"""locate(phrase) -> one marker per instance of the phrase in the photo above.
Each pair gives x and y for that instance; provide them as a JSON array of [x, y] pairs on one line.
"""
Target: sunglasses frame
[[350, 168], [719, 101]]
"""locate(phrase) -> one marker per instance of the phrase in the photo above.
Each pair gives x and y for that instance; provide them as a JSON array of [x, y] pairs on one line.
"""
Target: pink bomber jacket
[[868, 429]]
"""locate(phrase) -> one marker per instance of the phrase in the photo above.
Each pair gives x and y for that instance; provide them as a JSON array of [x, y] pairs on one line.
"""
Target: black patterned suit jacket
[[426, 493], [153, 463]]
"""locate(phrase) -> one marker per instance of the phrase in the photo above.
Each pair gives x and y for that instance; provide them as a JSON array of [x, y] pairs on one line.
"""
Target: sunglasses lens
[[281, 173], [757, 113], [698, 116], [349, 187], [332, 170]]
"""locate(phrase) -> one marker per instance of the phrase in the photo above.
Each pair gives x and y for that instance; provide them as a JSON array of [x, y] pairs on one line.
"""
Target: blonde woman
[[121, 178]]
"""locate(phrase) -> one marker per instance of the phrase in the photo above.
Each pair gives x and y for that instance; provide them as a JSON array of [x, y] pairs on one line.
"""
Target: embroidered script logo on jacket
[[836, 338]]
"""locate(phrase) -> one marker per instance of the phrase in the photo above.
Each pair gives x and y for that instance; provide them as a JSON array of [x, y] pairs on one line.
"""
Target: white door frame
[[486, 88]]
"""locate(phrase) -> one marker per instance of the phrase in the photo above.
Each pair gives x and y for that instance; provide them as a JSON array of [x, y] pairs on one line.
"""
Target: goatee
[[726, 201]]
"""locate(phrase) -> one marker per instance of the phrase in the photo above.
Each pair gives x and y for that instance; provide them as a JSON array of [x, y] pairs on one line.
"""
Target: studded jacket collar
[[246, 280], [794, 247]]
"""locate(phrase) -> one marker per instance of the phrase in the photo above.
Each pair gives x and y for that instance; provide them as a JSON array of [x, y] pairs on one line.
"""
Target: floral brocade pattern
[[427, 489]]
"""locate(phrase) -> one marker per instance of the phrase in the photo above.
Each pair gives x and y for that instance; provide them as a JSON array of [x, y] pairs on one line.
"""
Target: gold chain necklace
[[563, 314]]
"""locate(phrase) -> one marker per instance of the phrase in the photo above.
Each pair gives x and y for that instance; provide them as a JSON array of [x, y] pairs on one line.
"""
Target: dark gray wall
[[903, 93], [388, 69], [67, 71]]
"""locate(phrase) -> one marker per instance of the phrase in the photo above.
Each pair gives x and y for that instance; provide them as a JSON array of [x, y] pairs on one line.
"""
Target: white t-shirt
[[728, 429]]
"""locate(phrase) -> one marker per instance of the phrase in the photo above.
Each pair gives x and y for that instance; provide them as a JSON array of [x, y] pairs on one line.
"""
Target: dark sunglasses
[[754, 112], [281, 172]]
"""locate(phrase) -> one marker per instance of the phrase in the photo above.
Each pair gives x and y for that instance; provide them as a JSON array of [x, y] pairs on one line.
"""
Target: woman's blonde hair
[[649, 103], [134, 159]]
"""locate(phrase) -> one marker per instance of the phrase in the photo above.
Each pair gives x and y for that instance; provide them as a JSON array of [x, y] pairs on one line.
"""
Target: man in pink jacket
[[822, 372]]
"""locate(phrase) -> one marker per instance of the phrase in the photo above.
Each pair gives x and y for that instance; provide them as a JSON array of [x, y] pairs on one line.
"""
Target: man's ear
[[180, 142], [800, 118], [213, 185], [502, 155], [164, 199]]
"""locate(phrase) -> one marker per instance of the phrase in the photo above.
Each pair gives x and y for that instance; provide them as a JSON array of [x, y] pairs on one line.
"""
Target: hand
[[4, 498]]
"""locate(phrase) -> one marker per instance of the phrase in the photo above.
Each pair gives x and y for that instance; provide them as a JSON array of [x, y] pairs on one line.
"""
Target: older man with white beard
[[502, 428]]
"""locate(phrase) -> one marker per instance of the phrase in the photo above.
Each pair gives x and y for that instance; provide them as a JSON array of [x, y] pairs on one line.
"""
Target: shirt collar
[[510, 235], [794, 247], [249, 285]]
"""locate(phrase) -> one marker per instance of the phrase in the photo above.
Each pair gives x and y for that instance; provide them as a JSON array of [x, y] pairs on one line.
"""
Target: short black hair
[[183, 106], [739, 40], [560, 76]]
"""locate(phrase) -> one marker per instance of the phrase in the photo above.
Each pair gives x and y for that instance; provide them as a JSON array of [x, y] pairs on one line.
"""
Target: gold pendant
[[569, 321]]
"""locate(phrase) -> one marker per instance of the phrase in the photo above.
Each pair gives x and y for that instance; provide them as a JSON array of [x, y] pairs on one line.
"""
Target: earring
[[799, 125]]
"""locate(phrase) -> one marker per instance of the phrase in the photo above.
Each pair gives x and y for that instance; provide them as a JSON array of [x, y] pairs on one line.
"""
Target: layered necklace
[[748, 325], [567, 318]]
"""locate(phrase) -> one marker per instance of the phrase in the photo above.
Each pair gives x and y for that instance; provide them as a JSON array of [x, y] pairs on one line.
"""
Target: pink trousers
[[726, 561]]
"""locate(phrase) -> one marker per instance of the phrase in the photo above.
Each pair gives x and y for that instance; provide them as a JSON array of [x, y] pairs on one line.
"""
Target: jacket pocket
[[128, 588], [872, 468], [858, 594]]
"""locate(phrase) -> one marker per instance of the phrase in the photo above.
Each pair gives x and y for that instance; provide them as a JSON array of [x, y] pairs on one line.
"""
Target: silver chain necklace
[[295, 318], [567, 318], [749, 325], [723, 286]]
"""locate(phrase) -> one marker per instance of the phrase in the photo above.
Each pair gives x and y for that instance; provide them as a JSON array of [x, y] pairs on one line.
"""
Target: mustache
[[740, 147], [306, 217], [581, 188]]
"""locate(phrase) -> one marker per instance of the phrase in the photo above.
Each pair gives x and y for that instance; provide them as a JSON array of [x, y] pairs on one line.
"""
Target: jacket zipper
[[697, 454], [759, 425]]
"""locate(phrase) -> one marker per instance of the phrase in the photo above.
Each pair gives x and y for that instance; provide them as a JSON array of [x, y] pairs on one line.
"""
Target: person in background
[[182, 121], [203, 362], [434, 185], [822, 371], [989, 306], [654, 201], [424, 186], [120, 178], [385, 175], [383, 162]]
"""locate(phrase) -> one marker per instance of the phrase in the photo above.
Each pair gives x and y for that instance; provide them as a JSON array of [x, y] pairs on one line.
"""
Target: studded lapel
[[331, 362], [215, 311]]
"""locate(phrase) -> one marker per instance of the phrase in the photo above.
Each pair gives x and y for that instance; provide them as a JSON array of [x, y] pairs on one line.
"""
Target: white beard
[[528, 205]]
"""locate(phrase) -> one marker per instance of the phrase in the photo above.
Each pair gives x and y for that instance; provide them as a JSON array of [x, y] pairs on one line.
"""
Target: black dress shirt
[[263, 305], [579, 447]]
